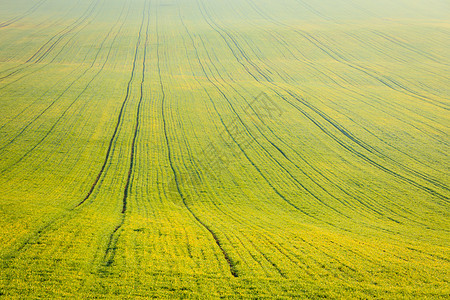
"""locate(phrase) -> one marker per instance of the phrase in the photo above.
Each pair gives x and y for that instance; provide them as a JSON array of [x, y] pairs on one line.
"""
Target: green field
[[224, 149]]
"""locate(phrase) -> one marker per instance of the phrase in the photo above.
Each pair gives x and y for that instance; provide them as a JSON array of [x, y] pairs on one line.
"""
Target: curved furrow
[[268, 154], [305, 61], [20, 17], [114, 237], [385, 80], [50, 23], [385, 52], [281, 41], [292, 149], [45, 49], [41, 53], [297, 181], [94, 60], [241, 63], [81, 64], [37, 234], [53, 87], [391, 105], [315, 11], [226, 127], [191, 180], [240, 120], [266, 235], [214, 235], [239, 52], [193, 177], [409, 47], [299, 184], [366, 146], [295, 258], [248, 222], [352, 150], [62, 116], [371, 149], [393, 173], [363, 156]]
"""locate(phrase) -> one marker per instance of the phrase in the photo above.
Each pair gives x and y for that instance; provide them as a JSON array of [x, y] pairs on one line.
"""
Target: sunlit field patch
[[224, 149]]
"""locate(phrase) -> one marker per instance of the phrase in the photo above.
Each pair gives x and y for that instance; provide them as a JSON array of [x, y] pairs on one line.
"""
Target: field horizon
[[224, 149]]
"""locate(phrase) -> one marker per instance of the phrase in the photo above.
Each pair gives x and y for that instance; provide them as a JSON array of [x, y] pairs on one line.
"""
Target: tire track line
[[226, 128], [228, 131], [273, 88], [265, 178], [228, 259], [67, 88], [20, 17], [37, 57], [116, 128], [385, 80], [405, 45], [41, 230], [299, 184], [250, 223], [65, 111], [61, 80], [111, 248], [242, 151], [56, 23], [275, 146], [281, 41]]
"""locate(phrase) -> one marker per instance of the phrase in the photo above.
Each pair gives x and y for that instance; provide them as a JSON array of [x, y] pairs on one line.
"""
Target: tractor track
[[297, 182], [40, 54], [228, 259], [111, 248], [68, 107], [20, 17], [41, 230], [292, 94]]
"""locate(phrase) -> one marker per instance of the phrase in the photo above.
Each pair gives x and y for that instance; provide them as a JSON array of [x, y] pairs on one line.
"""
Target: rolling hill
[[224, 149]]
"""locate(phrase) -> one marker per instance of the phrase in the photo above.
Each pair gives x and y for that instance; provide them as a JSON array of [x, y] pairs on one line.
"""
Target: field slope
[[224, 148]]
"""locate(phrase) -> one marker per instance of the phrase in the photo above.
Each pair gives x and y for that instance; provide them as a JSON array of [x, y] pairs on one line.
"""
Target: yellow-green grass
[[236, 149]]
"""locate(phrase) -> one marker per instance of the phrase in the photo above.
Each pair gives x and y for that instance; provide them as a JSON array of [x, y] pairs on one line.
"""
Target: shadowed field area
[[234, 149]]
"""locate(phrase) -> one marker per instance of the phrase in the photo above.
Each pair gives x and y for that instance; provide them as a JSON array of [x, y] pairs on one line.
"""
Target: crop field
[[224, 149]]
